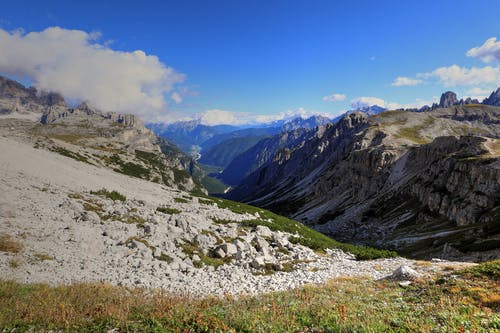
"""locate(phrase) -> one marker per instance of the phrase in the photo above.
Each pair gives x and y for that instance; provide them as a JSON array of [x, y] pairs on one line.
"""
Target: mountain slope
[[258, 155], [341, 179]]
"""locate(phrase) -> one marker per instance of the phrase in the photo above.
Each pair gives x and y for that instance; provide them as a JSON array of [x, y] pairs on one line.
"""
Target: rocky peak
[[12, 90], [494, 98], [448, 99]]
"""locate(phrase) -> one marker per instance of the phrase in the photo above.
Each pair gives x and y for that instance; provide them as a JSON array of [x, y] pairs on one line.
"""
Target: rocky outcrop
[[14, 91], [448, 99], [494, 98]]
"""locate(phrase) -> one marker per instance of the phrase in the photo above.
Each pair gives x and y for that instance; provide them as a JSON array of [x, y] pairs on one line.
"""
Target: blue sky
[[263, 57]]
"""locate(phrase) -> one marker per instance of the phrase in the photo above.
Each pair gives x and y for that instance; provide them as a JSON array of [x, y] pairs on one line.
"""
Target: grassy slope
[[468, 300]]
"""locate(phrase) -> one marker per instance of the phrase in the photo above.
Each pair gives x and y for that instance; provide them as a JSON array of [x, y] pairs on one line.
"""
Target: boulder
[[258, 262], [405, 273], [229, 249], [263, 231]]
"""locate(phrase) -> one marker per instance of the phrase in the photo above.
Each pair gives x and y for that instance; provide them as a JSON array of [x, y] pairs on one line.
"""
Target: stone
[[219, 252], [260, 244], [229, 249], [258, 262], [263, 231], [90, 217], [404, 273]]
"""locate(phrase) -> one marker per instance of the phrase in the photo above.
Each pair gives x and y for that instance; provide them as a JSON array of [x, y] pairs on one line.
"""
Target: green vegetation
[[168, 210], [490, 270], [305, 236], [181, 200], [165, 257], [70, 154], [191, 249], [113, 195], [180, 176], [213, 186], [9, 244], [464, 303], [413, 133]]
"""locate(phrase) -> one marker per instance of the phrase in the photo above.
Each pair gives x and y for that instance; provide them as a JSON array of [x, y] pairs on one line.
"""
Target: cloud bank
[[74, 64], [455, 75], [488, 52]]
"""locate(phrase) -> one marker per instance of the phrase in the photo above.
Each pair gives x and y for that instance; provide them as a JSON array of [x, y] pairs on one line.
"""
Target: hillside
[[424, 183]]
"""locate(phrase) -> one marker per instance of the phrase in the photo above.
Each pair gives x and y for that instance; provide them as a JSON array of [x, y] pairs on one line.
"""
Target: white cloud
[[479, 93], [462, 76], [405, 81], [488, 52], [73, 63], [362, 102], [176, 97], [217, 117], [334, 98]]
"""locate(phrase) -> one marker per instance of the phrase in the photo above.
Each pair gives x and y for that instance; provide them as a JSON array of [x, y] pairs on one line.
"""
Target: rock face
[[494, 98], [418, 182], [448, 99]]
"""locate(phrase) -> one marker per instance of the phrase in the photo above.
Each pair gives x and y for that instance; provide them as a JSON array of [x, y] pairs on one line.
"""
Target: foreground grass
[[470, 302]]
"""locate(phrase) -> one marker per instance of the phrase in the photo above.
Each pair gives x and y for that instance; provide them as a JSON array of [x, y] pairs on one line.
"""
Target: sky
[[251, 60]]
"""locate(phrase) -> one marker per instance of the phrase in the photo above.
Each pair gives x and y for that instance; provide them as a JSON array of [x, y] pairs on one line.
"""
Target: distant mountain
[[238, 133], [307, 123], [189, 133], [494, 98], [224, 152], [423, 183], [258, 155], [368, 110]]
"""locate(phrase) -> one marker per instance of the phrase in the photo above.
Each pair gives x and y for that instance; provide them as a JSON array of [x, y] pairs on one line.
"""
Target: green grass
[[113, 195], [168, 210], [165, 257], [466, 303], [306, 236], [70, 154], [181, 200], [213, 186], [413, 133]]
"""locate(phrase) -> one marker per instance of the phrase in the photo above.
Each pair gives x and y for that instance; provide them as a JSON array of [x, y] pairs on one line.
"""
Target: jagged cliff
[[426, 184]]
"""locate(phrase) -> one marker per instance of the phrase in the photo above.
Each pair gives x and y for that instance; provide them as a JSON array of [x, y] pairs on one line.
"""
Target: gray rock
[[90, 216], [263, 231], [229, 249], [219, 252], [448, 99], [258, 262], [261, 244], [404, 273]]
